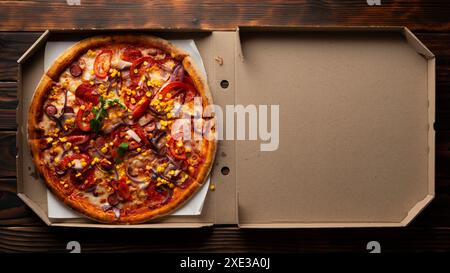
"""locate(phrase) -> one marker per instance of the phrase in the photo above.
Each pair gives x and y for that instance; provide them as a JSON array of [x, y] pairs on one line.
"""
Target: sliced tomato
[[177, 152], [86, 93], [123, 189], [137, 67], [176, 87], [70, 158], [102, 63], [141, 107], [87, 114], [131, 54]]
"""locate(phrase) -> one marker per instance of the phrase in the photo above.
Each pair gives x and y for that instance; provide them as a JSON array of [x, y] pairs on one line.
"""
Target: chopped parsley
[[100, 113]]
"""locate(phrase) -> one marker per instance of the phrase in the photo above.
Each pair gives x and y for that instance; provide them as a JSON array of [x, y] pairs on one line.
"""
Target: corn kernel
[[135, 71], [138, 149], [82, 107], [92, 72], [212, 187], [66, 186], [104, 150], [91, 53]]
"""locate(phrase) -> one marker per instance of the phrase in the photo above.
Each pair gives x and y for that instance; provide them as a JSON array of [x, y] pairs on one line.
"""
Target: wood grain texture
[[8, 104], [222, 239], [12, 46], [8, 154], [419, 15]]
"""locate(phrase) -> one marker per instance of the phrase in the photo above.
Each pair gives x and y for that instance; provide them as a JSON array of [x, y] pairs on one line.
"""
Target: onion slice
[[133, 135]]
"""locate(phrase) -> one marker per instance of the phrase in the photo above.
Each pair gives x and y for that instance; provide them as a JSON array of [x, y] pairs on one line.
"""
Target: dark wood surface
[[21, 22]]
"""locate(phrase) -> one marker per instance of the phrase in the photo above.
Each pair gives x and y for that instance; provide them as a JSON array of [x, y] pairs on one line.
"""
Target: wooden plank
[[8, 104], [8, 154], [12, 46], [423, 15], [221, 239]]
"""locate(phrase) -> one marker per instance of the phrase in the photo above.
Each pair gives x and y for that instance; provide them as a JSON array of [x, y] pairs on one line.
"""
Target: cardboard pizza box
[[351, 144]]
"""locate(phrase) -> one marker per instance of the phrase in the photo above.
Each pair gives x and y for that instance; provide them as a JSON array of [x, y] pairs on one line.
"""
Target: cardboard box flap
[[354, 123]]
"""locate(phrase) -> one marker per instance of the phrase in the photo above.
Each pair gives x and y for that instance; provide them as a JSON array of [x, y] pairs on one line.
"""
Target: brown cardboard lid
[[356, 142]]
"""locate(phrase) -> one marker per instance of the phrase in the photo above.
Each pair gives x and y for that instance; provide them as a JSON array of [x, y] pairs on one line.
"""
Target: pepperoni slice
[[75, 70], [50, 110], [113, 199], [130, 54]]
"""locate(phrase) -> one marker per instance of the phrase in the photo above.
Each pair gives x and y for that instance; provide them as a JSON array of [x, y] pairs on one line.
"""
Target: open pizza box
[[351, 145]]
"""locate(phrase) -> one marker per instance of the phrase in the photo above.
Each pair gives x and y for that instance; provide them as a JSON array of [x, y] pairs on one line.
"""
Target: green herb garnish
[[121, 150], [100, 113]]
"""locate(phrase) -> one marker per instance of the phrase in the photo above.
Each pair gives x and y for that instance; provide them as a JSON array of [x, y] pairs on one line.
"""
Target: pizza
[[118, 128]]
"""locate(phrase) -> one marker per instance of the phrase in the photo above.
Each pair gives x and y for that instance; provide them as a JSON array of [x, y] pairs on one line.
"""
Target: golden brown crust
[[70, 197], [35, 112], [202, 87]]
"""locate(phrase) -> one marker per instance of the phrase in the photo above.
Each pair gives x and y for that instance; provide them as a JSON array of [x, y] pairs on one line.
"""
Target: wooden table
[[21, 22]]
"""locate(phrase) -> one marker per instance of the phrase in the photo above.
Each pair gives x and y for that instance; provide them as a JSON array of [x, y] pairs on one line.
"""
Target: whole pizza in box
[[117, 128]]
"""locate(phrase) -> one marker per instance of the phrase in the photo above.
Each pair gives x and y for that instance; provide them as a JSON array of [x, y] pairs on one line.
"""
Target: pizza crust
[[68, 196]]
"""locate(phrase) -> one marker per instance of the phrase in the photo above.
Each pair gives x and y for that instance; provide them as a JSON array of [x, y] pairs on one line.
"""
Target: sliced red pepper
[[176, 85], [141, 107], [136, 68], [86, 93], [78, 139], [102, 63], [131, 54], [84, 125]]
